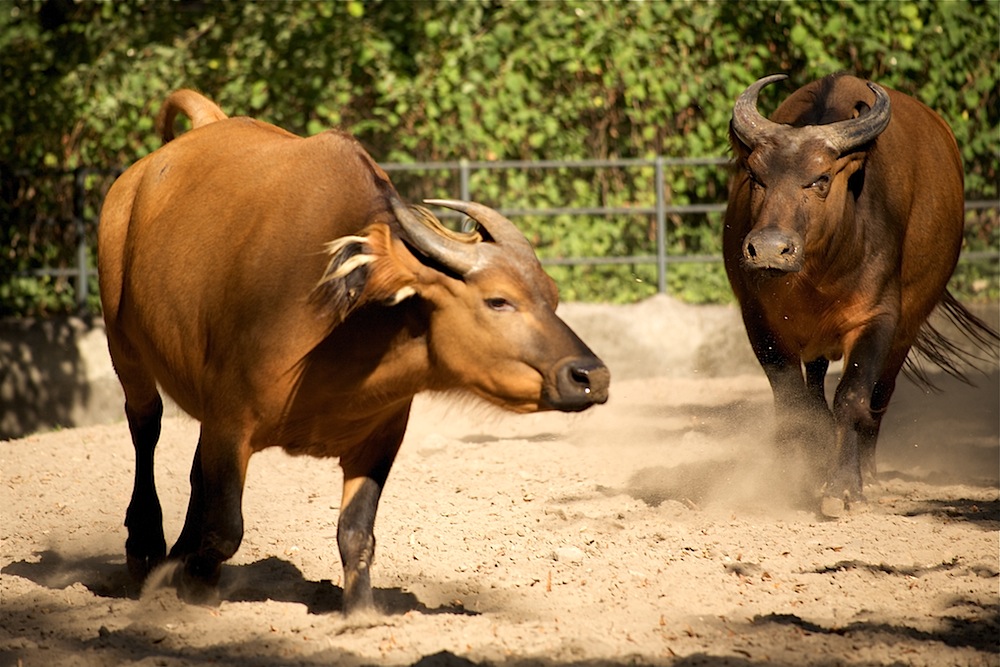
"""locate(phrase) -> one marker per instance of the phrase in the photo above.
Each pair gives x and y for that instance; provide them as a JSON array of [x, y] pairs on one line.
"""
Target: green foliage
[[81, 80]]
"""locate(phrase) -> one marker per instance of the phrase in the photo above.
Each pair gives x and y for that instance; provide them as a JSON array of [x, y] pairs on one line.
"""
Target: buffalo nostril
[[580, 382], [773, 249], [582, 377]]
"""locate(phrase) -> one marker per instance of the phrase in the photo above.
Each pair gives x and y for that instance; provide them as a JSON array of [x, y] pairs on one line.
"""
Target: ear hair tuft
[[363, 268], [401, 295], [345, 276], [350, 265]]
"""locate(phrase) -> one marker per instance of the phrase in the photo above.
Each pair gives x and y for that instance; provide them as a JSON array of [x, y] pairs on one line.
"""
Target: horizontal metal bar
[[38, 273], [553, 164], [682, 209], [979, 255], [613, 210], [632, 259]]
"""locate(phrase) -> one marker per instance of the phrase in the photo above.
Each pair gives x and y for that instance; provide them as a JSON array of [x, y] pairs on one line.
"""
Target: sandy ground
[[649, 531]]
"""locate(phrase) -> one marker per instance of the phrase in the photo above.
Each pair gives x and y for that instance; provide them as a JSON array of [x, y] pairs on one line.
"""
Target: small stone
[[568, 555], [833, 507]]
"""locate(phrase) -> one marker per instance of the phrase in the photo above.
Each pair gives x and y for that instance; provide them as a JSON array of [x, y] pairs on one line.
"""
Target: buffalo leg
[[190, 537], [784, 373], [801, 412], [868, 434], [145, 547], [856, 423], [815, 377], [803, 421], [364, 479], [213, 527]]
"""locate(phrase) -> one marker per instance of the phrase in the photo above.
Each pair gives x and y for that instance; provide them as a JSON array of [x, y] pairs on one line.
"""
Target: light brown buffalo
[[844, 225], [277, 288]]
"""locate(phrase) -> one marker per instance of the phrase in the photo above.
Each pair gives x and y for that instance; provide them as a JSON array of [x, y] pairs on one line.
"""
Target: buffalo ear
[[368, 267], [740, 150]]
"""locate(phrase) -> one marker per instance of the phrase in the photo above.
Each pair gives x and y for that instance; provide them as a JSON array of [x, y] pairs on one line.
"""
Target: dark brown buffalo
[[844, 225], [281, 293]]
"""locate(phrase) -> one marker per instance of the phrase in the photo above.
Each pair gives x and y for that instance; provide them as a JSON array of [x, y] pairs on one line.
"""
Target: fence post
[[79, 177], [661, 229], [463, 179]]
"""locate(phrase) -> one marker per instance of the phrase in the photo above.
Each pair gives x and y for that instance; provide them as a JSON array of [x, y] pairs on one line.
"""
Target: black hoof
[[197, 581], [139, 567]]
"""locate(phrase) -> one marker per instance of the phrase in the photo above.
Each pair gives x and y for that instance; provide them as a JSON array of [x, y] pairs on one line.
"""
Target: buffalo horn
[[847, 135], [432, 239], [500, 229], [748, 123]]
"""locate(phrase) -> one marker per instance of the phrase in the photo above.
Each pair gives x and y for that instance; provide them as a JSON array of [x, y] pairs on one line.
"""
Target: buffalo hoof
[[197, 582], [139, 567], [834, 507], [359, 603]]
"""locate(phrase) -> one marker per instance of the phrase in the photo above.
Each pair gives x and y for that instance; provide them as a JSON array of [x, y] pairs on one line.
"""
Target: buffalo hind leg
[[364, 479], [868, 433], [145, 547], [213, 526]]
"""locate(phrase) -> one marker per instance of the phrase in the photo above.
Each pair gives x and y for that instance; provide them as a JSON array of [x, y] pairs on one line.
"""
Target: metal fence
[[660, 209]]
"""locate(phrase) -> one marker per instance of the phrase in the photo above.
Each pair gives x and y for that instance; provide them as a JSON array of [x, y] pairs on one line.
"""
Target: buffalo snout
[[580, 383], [773, 249]]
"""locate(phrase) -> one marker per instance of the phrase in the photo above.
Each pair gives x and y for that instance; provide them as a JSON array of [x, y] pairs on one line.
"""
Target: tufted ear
[[370, 267], [740, 150]]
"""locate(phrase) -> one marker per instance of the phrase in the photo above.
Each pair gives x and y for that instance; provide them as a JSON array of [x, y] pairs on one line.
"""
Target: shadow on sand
[[271, 578]]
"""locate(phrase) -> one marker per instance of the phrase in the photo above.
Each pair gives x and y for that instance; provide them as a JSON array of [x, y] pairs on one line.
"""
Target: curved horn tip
[[447, 203], [501, 229], [877, 89], [772, 78], [747, 122], [848, 135]]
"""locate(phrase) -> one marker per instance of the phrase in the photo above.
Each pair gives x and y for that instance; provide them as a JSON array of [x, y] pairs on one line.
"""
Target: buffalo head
[[799, 176], [488, 304], [494, 324]]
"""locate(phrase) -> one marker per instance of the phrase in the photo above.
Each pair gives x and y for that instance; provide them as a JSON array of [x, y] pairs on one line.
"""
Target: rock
[[568, 555]]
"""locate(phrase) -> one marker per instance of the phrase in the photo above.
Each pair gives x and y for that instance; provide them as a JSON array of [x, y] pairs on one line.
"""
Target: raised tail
[[195, 106], [946, 353]]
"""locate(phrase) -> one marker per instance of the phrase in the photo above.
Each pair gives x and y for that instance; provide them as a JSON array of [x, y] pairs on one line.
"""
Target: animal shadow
[[104, 575], [272, 578], [278, 580]]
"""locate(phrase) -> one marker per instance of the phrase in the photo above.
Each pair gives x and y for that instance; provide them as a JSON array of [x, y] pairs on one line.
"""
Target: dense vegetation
[[80, 83]]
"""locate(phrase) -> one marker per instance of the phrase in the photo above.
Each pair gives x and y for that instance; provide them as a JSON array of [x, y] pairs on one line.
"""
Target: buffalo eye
[[500, 304], [754, 181], [821, 185]]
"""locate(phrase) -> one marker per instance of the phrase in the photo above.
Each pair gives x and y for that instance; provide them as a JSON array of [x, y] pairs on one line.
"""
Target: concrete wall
[[55, 373]]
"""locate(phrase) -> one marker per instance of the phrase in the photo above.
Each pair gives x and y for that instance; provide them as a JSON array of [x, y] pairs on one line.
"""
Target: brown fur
[[879, 247], [263, 281], [200, 111]]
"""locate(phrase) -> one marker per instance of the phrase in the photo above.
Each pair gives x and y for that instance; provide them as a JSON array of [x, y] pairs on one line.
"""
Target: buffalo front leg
[[857, 424], [364, 479], [145, 547], [803, 421], [213, 527]]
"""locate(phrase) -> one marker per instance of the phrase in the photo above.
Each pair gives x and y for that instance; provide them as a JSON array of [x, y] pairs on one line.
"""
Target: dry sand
[[649, 531]]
